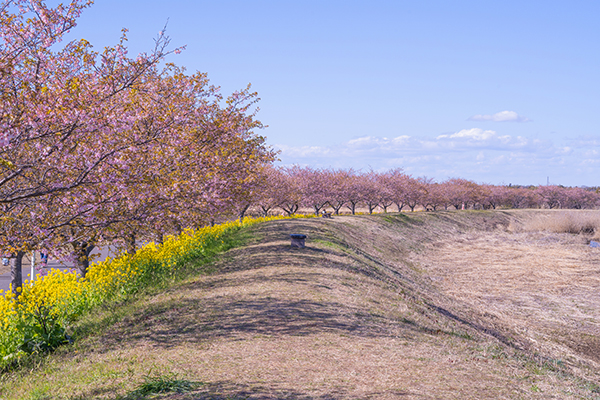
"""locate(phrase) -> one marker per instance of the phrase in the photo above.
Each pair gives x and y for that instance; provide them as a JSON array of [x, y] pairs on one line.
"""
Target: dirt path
[[348, 317]]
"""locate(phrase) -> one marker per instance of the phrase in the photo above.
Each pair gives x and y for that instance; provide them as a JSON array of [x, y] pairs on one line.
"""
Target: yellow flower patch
[[67, 296]]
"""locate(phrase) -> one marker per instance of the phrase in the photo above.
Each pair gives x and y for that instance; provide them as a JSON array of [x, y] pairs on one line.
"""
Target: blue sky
[[495, 92]]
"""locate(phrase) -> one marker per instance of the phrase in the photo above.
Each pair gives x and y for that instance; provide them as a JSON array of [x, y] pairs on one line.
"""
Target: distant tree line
[[291, 188]]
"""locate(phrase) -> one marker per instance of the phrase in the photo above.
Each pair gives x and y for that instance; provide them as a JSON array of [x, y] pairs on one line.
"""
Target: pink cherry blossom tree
[[354, 193], [290, 194], [370, 190], [552, 196], [97, 145], [415, 190], [580, 198], [338, 182]]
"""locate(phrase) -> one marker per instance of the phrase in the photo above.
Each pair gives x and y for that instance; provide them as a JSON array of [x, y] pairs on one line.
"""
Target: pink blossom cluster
[[99, 147]]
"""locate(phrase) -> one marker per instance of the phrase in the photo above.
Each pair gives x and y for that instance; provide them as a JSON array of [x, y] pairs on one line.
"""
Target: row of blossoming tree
[[100, 147], [289, 189]]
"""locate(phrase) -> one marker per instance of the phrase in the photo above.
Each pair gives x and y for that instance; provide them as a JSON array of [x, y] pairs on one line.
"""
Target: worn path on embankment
[[357, 314]]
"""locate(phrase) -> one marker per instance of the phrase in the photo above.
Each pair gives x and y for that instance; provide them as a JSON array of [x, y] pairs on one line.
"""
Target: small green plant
[[496, 352], [42, 330], [39, 393], [397, 218], [156, 384]]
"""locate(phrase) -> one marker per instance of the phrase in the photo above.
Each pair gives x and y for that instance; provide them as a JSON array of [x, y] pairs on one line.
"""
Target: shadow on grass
[[191, 317], [274, 249], [170, 323], [285, 256], [257, 391]]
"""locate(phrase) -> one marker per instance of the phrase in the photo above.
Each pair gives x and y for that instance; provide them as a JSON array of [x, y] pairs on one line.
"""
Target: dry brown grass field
[[445, 305]]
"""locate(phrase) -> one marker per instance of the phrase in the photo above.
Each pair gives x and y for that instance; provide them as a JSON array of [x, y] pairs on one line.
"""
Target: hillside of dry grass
[[538, 279], [447, 305]]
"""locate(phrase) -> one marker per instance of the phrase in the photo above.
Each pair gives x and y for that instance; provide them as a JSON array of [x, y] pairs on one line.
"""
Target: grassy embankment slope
[[426, 305]]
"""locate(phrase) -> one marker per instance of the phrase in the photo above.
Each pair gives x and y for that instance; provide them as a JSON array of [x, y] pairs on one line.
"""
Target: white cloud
[[465, 140], [475, 133], [481, 155], [377, 142], [502, 116], [565, 150], [590, 162], [304, 151], [585, 142]]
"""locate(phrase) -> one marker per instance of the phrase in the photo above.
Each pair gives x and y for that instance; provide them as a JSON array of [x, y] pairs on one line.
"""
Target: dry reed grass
[[585, 222], [540, 283]]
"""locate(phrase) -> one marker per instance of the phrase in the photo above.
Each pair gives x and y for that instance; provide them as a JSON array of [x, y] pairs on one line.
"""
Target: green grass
[[158, 384], [399, 218], [326, 243]]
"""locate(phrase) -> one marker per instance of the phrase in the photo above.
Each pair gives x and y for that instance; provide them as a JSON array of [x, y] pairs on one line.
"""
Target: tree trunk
[[131, 246], [291, 209], [82, 256], [179, 229], [317, 208], [265, 211], [352, 207], [16, 273], [243, 212], [372, 207], [337, 206], [159, 238]]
